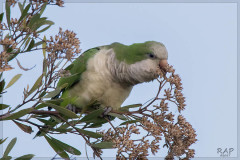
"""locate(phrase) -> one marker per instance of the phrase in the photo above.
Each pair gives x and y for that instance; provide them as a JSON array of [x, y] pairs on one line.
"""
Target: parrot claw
[[72, 108], [106, 111]]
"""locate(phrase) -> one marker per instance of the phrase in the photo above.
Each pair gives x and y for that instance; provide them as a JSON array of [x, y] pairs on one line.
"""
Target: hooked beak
[[163, 64]]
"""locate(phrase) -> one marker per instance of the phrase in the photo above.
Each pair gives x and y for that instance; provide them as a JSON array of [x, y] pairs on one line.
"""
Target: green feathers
[[133, 53], [128, 54], [77, 68]]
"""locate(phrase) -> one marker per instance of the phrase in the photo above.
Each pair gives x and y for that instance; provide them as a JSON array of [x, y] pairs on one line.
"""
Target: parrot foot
[[106, 110], [73, 108]]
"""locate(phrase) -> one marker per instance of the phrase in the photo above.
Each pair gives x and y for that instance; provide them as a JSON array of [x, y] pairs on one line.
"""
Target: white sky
[[201, 39]]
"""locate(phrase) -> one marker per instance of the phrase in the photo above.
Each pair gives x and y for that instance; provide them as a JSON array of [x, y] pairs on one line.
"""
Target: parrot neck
[[130, 74]]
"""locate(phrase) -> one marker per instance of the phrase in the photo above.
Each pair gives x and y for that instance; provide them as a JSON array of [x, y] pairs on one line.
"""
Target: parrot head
[[138, 62]]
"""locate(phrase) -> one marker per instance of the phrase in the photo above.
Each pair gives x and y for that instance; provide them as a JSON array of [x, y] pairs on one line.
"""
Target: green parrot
[[108, 73]]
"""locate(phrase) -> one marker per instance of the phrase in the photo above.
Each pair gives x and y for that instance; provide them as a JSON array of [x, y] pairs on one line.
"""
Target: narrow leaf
[[26, 42], [31, 45], [62, 110], [90, 133], [24, 127], [20, 6], [43, 8], [122, 117], [33, 20], [25, 157], [13, 80], [53, 101], [1, 17], [18, 114], [37, 84], [38, 43], [24, 2], [103, 145], [44, 47], [92, 115], [66, 147], [129, 122], [25, 11], [53, 93], [9, 147], [60, 151], [2, 84], [6, 158], [7, 7], [44, 29], [3, 106], [126, 108], [3, 140]]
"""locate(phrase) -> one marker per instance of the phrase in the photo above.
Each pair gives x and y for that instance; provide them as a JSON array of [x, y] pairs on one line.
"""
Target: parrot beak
[[163, 64]]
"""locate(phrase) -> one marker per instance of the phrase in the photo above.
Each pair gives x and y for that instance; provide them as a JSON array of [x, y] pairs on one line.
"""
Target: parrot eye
[[151, 55]]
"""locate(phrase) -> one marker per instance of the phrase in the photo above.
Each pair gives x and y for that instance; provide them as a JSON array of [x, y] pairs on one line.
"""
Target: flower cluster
[[8, 45], [156, 123], [11, 2], [64, 45], [57, 2]]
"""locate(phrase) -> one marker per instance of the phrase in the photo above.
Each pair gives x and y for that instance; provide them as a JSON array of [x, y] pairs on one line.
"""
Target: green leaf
[[1, 17], [42, 94], [25, 11], [2, 84], [37, 84], [26, 41], [92, 115], [129, 122], [31, 45], [90, 133], [49, 22], [6, 158], [33, 20], [3, 106], [49, 122], [24, 2], [13, 80], [3, 140], [44, 47], [18, 114], [25, 157], [20, 6], [53, 101], [43, 8], [60, 151], [39, 23], [62, 110], [24, 127], [7, 7], [122, 117], [66, 147], [103, 145], [9, 147], [69, 67], [44, 29], [38, 43], [126, 108], [53, 93], [62, 130]]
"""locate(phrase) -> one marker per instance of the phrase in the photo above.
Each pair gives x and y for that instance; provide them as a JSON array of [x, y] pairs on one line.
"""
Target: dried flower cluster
[[156, 123], [24, 31], [11, 2], [64, 45], [56, 2]]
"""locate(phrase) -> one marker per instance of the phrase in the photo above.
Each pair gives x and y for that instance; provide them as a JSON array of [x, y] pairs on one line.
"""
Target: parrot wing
[[77, 67]]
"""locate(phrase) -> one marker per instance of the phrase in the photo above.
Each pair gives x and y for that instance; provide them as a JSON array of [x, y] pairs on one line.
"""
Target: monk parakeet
[[108, 73]]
